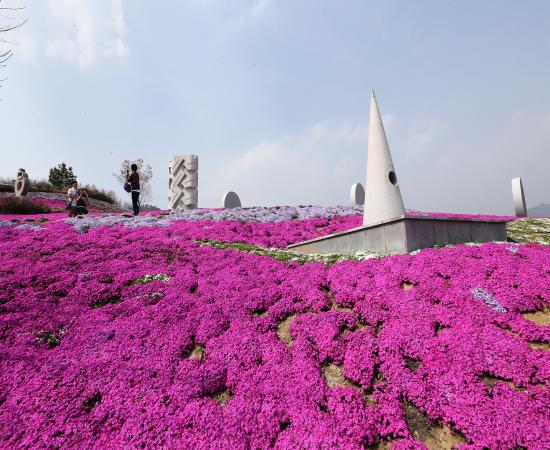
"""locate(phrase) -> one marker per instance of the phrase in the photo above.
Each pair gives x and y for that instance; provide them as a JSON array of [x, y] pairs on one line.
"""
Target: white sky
[[273, 96]]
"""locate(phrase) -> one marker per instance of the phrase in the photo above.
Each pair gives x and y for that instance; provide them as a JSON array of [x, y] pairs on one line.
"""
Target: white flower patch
[[488, 299], [28, 226], [258, 214], [148, 278]]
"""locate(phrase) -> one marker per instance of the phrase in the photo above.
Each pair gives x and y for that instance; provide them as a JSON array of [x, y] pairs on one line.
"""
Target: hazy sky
[[273, 95]]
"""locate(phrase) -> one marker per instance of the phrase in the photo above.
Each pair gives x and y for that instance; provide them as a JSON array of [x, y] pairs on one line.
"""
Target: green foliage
[[152, 277], [90, 402], [100, 194], [6, 184], [51, 338], [20, 205], [288, 256], [106, 301], [61, 175], [530, 230]]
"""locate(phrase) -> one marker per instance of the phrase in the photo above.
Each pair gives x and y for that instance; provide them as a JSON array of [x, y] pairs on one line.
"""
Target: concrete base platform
[[405, 234]]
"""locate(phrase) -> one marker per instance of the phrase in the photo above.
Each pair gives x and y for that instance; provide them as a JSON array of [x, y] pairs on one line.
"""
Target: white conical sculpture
[[383, 200]]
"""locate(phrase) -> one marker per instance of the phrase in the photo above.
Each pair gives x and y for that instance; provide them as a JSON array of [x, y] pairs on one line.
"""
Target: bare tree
[[5, 55], [145, 174]]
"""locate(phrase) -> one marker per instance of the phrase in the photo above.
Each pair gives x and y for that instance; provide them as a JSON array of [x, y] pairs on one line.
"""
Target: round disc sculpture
[[357, 194], [382, 193], [183, 182], [22, 183], [519, 197], [231, 200]]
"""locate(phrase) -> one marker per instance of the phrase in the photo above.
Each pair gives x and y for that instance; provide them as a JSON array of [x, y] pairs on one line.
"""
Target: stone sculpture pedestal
[[406, 234]]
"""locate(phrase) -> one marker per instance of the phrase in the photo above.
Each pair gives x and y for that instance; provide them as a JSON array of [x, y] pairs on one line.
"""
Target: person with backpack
[[133, 180]]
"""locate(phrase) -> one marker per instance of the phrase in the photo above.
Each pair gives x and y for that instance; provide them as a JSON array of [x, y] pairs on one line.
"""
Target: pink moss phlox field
[[95, 354]]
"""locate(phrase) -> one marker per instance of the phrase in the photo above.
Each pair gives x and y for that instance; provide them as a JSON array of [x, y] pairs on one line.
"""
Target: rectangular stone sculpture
[[183, 183]]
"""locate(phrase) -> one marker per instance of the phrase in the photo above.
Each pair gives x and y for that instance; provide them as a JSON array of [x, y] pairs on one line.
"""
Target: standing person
[[133, 179], [72, 195]]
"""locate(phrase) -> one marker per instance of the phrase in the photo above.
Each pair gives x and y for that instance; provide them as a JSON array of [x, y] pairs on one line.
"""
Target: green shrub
[[106, 301], [100, 194], [44, 186], [21, 205], [61, 175], [6, 184]]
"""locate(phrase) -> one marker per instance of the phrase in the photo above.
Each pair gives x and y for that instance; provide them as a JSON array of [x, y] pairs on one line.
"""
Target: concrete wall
[[405, 235]]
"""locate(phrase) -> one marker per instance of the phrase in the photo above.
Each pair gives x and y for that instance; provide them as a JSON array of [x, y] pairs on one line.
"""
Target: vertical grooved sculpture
[[383, 200], [518, 197], [183, 183]]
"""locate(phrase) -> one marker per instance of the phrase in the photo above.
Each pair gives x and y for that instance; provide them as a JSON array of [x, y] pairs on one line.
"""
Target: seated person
[[82, 201]]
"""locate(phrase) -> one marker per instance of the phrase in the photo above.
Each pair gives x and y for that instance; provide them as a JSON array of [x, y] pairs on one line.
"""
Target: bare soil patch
[[334, 376], [222, 398], [541, 318], [260, 313], [197, 352], [490, 381], [540, 346], [412, 363], [283, 330], [336, 306], [436, 436]]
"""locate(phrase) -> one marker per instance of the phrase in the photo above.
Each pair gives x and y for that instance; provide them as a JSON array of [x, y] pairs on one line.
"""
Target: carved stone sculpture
[[183, 183], [383, 200], [357, 194], [519, 197], [22, 184], [231, 200]]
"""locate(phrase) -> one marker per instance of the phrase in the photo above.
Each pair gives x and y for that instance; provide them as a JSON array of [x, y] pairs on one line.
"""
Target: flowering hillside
[[198, 330], [57, 201]]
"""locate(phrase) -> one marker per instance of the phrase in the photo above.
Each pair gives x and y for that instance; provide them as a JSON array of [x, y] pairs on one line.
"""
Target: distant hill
[[542, 210]]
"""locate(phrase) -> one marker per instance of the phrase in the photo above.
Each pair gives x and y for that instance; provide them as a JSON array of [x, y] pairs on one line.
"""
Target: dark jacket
[[133, 179]]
